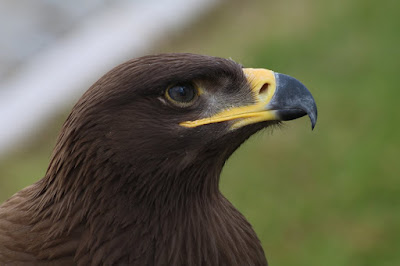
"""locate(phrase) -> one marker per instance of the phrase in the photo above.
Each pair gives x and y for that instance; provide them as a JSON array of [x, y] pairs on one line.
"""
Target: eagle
[[134, 175]]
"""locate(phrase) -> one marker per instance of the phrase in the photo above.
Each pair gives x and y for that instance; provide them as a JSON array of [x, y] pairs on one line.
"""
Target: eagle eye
[[182, 94]]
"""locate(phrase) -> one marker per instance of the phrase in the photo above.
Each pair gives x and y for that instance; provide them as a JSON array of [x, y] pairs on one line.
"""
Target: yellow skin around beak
[[263, 85]]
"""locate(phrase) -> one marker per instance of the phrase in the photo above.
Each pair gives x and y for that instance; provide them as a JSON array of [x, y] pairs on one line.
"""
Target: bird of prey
[[133, 178]]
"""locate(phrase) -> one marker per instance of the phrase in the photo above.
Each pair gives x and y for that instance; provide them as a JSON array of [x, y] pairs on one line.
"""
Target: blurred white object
[[63, 72]]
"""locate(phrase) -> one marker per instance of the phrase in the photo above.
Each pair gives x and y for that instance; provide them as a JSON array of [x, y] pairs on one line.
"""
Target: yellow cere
[[263, 85]]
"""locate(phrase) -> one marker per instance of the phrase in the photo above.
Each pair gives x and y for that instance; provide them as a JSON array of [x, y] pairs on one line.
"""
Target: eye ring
[[182, 94]]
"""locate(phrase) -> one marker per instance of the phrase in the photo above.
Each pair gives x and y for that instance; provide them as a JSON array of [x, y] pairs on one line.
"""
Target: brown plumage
[[129, 184]]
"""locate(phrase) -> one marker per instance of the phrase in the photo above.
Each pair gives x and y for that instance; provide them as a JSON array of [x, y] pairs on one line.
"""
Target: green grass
[[327, 197]]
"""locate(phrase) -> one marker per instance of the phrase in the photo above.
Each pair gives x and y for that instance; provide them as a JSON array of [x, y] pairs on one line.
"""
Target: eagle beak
[[292, 100], [277, 97]]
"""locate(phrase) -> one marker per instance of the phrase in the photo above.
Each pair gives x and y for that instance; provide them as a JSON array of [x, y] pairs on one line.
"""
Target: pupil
[[182, 91]]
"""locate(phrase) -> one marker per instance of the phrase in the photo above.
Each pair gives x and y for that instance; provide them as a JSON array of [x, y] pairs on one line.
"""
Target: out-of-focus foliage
[[327, 197]]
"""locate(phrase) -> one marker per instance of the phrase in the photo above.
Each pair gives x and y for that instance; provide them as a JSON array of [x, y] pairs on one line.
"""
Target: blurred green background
[[325, 197]]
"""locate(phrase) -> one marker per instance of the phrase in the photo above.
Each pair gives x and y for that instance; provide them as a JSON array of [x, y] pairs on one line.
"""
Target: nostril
[[264, 89]]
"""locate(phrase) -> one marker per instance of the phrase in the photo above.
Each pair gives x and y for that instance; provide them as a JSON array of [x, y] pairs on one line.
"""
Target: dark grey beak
[[292, 100]]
